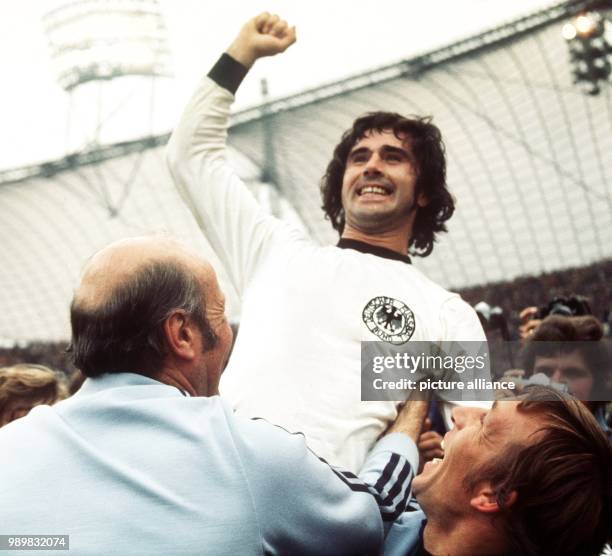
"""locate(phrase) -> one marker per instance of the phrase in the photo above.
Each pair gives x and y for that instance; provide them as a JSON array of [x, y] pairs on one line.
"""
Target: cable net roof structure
[[529, 155], [51, 225], [528, 161]]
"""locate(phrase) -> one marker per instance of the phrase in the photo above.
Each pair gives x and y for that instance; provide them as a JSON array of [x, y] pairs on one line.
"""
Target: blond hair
[[28, 385]]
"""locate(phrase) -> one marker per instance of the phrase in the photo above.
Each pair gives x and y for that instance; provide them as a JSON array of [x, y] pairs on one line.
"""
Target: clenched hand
[[264, 35]]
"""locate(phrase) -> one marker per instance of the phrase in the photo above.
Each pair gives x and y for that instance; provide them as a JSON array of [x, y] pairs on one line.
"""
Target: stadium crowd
[[592, 282], [130, 448]]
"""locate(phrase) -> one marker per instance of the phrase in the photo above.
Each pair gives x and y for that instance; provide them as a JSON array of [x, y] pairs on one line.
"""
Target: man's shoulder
[[270, 448], [135, 403], [450, 300], [436, 291], [454, 313], [259, 436]]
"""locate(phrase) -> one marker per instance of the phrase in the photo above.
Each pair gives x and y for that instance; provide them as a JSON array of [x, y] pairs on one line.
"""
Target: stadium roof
[[528, 161]]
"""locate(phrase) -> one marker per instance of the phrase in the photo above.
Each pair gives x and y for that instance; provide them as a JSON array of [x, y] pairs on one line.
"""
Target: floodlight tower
[[108, 55], [102, 40], [589, 45]]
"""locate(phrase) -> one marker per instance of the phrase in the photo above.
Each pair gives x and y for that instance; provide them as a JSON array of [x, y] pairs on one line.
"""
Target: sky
[[336, 38]]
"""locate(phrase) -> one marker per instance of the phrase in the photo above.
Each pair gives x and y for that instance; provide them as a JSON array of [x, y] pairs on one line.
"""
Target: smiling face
[[379, 185], [477, 437]]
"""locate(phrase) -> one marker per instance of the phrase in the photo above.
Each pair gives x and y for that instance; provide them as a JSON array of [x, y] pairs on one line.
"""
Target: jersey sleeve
[[460, 322], [237, 227], [306, 506]]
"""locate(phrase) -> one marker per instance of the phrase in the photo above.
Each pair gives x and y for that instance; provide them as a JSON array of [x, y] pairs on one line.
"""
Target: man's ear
[[422, 200], [485, 500], [179, 335]]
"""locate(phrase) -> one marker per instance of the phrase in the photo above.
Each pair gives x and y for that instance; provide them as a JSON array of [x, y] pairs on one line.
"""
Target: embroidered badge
[[390, 319]]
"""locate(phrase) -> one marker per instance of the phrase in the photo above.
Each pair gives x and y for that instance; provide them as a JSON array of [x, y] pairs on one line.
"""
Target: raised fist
[[264, 35]]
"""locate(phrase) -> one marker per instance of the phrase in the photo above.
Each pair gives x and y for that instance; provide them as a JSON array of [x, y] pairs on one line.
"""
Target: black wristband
[[228, 73]]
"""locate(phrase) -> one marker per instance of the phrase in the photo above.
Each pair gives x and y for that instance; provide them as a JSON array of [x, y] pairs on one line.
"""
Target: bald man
[[147, 459]]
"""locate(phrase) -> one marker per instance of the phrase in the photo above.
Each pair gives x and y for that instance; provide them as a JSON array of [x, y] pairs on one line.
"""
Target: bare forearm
[[410, 419]]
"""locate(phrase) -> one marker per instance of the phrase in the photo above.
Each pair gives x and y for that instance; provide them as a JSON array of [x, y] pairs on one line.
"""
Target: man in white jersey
[[307, 308]]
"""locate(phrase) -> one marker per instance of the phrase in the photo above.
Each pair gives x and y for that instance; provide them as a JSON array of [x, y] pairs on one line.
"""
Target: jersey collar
[[364, 247]]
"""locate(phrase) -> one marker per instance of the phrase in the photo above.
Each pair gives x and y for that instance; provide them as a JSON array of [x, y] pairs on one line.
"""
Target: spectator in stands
[[146, 458], [529, 322], [529, 477], [568, 306], [592, 282], [24, 386], [558, 348], [582, 369], [49, 354]]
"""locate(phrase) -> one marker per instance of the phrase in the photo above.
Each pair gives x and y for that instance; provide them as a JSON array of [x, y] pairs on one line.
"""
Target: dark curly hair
[[428, 149]]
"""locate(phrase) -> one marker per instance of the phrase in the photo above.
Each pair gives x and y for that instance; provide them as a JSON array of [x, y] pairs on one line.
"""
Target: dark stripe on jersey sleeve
[[228, 73], [399, 489], [393, 510], [399, 483], [387, 473], [402, 506]]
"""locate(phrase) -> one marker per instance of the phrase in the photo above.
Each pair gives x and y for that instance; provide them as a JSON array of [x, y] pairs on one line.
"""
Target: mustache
[[364, 181]]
